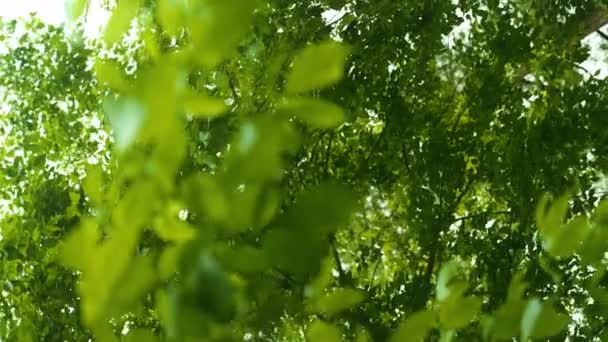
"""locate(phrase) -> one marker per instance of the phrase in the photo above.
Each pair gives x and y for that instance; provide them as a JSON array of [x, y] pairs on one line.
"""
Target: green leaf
[[134, 283], [458, 312], [600, 301], [600, 215], [201, 106], [205, 287], [74, 9], [256, 153], [506, 322], [549, 218], [77, 250], [109, 74], [168, 262], [204, 194], [216, 27], [447, 335], [126, 117], [319, 331], [363, 335], [415, 328], [449, 280], [540, 320], [339, 300], [141, 335], [174, 231], [243, 259], [565, 241], [300, 238], [171, 15], [316, 67], [315, 112], [595, 246], [93, 184], [120, 20]]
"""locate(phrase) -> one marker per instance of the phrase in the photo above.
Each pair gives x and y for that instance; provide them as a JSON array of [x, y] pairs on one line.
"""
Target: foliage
[[229, 170]]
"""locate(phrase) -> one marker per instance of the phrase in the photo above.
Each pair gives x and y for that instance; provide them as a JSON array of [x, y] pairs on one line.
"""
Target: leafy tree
[[262, 173], [50, 132]]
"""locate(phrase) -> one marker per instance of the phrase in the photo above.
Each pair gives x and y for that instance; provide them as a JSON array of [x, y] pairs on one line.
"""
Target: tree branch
[[462, 218], [588, 25]]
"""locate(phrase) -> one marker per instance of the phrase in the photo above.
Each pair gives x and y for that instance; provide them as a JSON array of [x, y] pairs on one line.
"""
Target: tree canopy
[[333, 170]]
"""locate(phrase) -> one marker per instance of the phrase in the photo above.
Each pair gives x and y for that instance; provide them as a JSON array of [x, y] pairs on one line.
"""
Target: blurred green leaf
[[449, 281], [174, 231], [171, 15], [339, 300], [549, 217], [245, 259], [319, 331], [415, 328], [506, 321], [541, 320], [204, 286], [126, 117], [565, 241], [93, 184], [216, 27], [202, 106], [109, 74], [120, 20], [316, 67], [204, 194], [300, 239], [141, 335], [77, 251], [595, 246], [457, 312], [314, 112], [75, 8]]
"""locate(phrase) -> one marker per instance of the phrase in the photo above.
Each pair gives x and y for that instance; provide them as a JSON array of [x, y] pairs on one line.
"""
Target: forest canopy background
[[271, 170]]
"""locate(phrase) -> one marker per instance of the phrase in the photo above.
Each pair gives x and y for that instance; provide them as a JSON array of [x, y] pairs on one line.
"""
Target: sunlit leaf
[[316, 67], [93, 184], [75, 8], [319, 331], [415, 327], [448, 280], [541, 320], [141, 335], [109, 74], [174, 231], [550, 217], [595, 246], [78, 250], [170, 14], [203, 106], [565, 241], [337, 301], [120, 20], [458, 312], [168, 262], [217, 26], [315, 112], [126, 117], [506, 321]]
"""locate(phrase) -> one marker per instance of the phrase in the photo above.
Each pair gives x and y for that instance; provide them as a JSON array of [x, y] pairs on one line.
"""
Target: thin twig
[[602, 34], [328, 153], [334, 251]]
